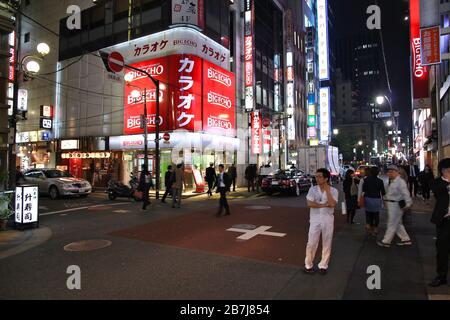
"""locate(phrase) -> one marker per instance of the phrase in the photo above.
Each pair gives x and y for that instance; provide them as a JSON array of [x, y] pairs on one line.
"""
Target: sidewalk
[[13, 242]]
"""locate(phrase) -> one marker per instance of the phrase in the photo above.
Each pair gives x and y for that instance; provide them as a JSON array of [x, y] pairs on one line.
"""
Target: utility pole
[[145, 124], [6, 28]]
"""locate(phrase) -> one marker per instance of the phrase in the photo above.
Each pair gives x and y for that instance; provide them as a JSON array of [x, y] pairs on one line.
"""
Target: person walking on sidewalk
[[373, 192], [398, 199], [232, 173], [177, 185], [223, 184], [210, 177], [250, 175], [145, 183], [322, 200], [413, 172], [351, 194], [441, 218], [426, 179], [168, 181]]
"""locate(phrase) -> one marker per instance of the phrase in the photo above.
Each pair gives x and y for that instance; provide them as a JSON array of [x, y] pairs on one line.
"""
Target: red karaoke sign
[[419, 71], [218, 100], [189, 85]]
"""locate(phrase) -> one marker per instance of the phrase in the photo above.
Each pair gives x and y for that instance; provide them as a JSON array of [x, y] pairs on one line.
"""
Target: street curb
[[29, 240]]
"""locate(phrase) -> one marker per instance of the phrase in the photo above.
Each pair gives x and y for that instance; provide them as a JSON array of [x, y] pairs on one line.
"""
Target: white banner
[[180, 40], [324, 114]]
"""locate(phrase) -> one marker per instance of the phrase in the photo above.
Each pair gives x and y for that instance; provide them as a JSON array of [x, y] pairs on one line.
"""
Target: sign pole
[[145, 131], [157, 151]]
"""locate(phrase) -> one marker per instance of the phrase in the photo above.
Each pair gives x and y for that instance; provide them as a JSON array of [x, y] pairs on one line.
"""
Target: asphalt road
[[188, 253]]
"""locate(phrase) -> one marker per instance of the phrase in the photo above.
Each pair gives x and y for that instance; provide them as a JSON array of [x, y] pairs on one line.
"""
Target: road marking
[[249, 234], [82, 208]]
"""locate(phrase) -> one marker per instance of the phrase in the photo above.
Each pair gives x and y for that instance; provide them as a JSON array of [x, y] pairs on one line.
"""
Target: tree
[[346, 144]]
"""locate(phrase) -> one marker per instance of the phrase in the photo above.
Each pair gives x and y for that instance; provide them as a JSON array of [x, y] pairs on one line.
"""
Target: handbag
[[361, 202], [402, 204]]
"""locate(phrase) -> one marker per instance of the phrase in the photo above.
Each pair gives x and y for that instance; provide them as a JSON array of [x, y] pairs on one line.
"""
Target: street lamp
[[128, 78], [389, 123], [380, 101], [335, 132], [360, 143], [29, 65]]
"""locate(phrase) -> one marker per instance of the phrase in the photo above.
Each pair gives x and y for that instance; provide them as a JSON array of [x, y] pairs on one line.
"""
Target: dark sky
[[351, 19]]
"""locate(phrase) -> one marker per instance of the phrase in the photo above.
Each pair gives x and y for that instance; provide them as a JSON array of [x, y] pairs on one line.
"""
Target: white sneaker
[[404, 243]]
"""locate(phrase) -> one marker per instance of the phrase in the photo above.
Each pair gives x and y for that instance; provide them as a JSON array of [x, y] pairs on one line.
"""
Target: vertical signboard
[[185, 81], [23, 100], [26, 205], [431, 47], [420, 75], [322, 30], [134, 107], [188, 12], [219, 97], [324, 114], [249, 72], [256, 132]]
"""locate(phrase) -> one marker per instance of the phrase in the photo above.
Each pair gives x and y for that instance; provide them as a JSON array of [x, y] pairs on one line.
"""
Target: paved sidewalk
[[13, 242]]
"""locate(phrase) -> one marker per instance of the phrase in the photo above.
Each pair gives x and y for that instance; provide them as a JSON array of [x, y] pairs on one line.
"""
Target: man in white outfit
[[397, 200], [322, 200]]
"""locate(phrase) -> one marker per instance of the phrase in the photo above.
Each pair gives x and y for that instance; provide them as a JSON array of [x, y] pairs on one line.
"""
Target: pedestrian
[[232, 173], [373, 193], [322, 200], [168, 181], [413, 173], [210, 177], [441, 218], [145, 183], [249, 178], [177, 185], [426, 179], [351, 194], [223, 184], [20, 178], [364, 174], [398, 199]]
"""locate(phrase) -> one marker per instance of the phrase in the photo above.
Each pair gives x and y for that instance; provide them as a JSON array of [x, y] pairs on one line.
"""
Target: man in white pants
[[397, 192], [322, 200]]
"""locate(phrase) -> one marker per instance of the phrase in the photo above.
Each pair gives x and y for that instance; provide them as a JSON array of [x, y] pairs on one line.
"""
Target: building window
[[26, 37]]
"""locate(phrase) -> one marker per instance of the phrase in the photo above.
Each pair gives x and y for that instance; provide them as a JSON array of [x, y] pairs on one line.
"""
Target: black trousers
[[251, 184], [223, 202], [210, 186], [145, 197], [168, 191], [233, 181], [413, 183], [426, 191], [443, 248]]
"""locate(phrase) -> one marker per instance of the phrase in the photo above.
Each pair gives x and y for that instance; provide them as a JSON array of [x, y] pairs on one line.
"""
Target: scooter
[[119, 190]]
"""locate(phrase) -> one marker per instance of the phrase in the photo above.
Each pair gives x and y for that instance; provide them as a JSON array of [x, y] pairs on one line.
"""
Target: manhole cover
[[258, 207], [244, 226], [87, 245]]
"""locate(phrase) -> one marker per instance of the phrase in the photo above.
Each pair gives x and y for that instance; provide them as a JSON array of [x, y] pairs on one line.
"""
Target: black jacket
[[210, 174], [232, 172], [142, 184], [227, 180], [416, 168], [440, 191], [169, 179]]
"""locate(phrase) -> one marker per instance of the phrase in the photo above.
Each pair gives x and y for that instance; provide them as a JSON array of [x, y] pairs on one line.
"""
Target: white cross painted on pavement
[[249, 234]]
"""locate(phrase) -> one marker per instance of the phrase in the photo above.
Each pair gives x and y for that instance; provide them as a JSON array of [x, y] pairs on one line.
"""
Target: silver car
[[57, 183]]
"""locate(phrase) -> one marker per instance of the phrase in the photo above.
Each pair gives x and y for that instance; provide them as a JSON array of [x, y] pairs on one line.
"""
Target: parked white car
[[57, 183]]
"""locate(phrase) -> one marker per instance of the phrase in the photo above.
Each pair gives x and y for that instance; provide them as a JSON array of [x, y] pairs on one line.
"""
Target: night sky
[[351, 19]]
